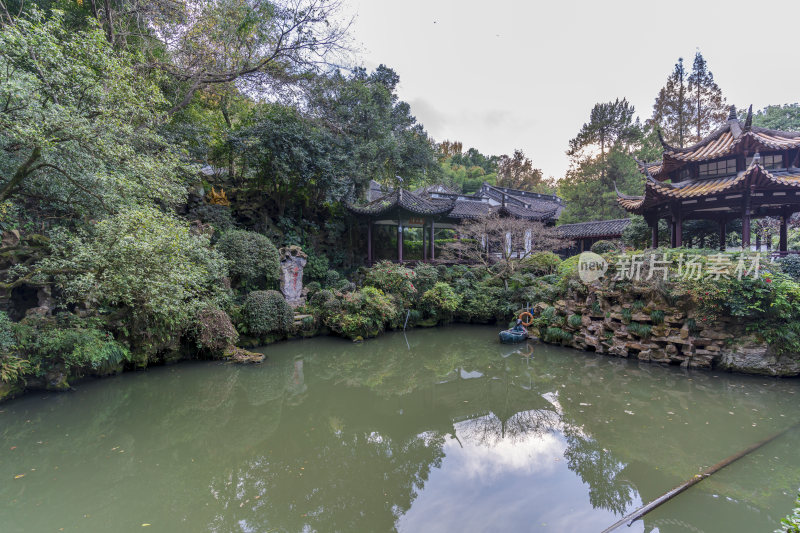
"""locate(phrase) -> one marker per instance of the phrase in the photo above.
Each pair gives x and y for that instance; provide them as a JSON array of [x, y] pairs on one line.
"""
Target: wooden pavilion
[[738, 172], [437, 207]]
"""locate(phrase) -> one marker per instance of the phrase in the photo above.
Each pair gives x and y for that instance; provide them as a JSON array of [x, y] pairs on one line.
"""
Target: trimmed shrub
[[604, 247], [252, 258], [541, 263], [267, 313], [575, 321], [213, 331], [332, 279], [316, 268]]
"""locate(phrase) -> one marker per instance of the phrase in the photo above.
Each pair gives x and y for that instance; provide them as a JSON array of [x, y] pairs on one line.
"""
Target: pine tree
[[708, 104], [672, 110], [609, 123]]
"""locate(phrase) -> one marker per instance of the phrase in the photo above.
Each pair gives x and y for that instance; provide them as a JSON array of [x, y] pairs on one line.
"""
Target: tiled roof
[[439, 200], [731, 138], [469, 209], [657, 193], [594, 228], [403, 199]]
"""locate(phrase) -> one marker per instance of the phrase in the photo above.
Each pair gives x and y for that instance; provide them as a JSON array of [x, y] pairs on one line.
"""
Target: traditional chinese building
[[438, 207], [585, 234], [738, 172]]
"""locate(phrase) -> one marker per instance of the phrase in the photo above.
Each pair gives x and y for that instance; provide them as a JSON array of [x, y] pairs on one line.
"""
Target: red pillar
[[654, 234], [746, 224], [433, 241], [399, 241], [369, 243], [678, 231], [783, 246], [424, 248]]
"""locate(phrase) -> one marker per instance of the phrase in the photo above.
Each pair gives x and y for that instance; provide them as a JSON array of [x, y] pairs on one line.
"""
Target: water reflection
[[435, 431]]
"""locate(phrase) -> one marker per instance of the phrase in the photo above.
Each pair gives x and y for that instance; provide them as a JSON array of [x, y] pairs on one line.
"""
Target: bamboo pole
[[697, 478]]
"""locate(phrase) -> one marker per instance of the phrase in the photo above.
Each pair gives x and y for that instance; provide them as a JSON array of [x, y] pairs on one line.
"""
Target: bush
[[791, 523], [441, 300], [13, 368], [7, 339], [426, 277], [479, 304], [76, 344], [393, 279], [575, 321], [360, 314], [252, 258], [332, 279], [146, 268], [604, 247], [267, 313], [313, 288], [791, 266], [213, 331], [316, 268], [541, 263], [219, 216], [568, 268]]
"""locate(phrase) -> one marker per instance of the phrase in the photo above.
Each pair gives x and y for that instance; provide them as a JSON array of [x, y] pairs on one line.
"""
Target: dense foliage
[[266, 313], [252, 258]]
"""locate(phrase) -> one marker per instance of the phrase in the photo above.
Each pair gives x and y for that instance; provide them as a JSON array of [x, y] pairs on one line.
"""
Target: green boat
[[511, 337]]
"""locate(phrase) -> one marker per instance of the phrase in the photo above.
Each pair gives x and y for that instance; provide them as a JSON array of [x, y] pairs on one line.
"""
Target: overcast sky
[[503, 74]]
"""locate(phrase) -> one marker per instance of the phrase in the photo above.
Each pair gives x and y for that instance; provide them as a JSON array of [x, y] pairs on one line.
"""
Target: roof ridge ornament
[[664, 144], [732, 114], [748, 123]]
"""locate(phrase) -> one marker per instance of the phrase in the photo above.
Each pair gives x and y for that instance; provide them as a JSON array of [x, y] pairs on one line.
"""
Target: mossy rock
[[240, 356], [10, 390], [428, 323]]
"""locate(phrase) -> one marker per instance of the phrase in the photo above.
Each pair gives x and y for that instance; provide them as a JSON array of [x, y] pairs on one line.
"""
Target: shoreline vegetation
[[747, 325]]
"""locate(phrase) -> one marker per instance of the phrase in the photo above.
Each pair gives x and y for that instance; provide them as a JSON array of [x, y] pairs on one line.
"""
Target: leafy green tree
[[779, 117], [672, 110], [375, 130], [589, 185], [517, 172], [708, 104], [78, 126], [610, 124], [145, 268]]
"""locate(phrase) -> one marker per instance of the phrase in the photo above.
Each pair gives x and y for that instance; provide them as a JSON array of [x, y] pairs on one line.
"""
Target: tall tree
[[779, 117], [708, 104], [609, 123], [517, 172], [672, 110]]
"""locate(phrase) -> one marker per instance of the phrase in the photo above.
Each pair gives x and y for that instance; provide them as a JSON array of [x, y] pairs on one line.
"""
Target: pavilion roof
[[595, 228], [756, 175], [403, 199], [440, 200], [733, 137]]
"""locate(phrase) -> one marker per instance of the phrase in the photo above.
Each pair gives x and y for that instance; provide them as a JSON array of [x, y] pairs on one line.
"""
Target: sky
[[501, 74]]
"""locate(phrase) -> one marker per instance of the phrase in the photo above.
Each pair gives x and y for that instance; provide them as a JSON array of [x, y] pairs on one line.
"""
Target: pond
[[435, 430]]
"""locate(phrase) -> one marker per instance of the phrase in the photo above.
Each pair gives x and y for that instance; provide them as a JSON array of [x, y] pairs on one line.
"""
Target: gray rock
[[753, 357]]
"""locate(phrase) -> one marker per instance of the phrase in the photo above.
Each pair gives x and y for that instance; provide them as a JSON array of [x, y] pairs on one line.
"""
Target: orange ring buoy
[[529, 322]]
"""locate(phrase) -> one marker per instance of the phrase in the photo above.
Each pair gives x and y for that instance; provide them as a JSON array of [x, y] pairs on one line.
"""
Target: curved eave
[[756, 176]]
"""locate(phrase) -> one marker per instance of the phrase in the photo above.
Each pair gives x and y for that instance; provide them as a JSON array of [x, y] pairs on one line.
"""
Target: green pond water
[[436, 430]]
